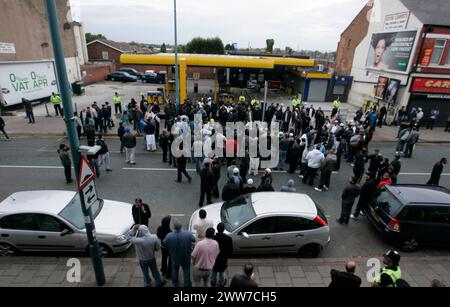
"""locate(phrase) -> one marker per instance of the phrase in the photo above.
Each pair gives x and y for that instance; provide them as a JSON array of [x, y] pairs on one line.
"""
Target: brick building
[[404, 59]]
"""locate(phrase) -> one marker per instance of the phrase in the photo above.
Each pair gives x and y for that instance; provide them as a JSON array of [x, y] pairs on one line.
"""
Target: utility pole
[[177, 71], [266, 86], [72, 133]]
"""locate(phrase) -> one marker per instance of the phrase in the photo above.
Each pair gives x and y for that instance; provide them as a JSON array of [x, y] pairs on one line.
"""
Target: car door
[[55, 235], [19, 230], [413, 223], [291, 233], [438, 225], [259, 237]]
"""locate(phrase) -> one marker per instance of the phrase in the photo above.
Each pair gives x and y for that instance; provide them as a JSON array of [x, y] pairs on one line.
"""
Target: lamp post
[[177, 71], [73, 135]]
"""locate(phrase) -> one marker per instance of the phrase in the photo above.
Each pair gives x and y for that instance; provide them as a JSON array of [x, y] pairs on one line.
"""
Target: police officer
[[296, 102], [336, 107], [56, 101], [117, 103], [242, 98], [391, 273]]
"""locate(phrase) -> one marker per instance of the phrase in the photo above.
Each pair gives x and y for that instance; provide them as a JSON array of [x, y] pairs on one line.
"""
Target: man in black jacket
[[346, 279], [63, 153], [164, 143], [181, 167], [367, 193], [206, 184], [141, 212], [244, 281], [129, 142], [350, 193], [230, 190], [221, 264], [437, 171], [2, 128], [120, 134]]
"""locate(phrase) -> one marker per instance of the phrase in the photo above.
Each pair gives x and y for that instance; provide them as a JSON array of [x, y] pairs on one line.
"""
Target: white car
[[267, 223], [53, 221]]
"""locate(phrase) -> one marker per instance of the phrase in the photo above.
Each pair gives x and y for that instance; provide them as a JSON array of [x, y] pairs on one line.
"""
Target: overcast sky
[[299, 24]]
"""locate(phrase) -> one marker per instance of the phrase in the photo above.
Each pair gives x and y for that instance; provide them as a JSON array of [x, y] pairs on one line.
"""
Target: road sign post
[[73, 136]]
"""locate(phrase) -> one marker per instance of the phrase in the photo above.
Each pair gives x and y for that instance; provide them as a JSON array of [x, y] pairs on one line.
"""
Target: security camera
[[89, 150]]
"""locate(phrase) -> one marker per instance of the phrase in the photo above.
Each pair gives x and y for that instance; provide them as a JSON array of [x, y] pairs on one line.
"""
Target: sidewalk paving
[[282, 272]]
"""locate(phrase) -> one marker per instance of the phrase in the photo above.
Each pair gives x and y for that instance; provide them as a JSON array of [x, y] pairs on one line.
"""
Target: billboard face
[[392, 91], [381, 87], [33, 81], [391, 51]]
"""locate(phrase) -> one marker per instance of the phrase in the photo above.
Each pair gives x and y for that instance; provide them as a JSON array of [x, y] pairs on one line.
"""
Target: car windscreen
[[237, 212], [73, 214], [388, 202]]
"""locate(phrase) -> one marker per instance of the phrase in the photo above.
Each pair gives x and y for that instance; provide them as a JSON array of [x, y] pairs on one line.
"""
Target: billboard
[[381, 87], [391, 51], [392, 91], [30, 80]]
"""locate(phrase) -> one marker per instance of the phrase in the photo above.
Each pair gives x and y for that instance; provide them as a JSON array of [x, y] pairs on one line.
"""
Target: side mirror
[[66, 232], [245, 235]]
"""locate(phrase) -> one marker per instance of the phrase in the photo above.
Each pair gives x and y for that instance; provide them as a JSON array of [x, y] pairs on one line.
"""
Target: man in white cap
[[238, 179], [249, 188], [419, 117], [266, 177]]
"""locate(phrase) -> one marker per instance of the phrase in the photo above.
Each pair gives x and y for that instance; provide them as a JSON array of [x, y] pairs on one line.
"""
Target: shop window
[[438, 52]]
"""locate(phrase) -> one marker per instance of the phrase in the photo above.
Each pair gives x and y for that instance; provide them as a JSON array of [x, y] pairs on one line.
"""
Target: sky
[[299, 24]]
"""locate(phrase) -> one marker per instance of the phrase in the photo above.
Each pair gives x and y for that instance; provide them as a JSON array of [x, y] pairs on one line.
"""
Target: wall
[[364, 79], [96, 49], [25, 23], [350, 39], [93, 73]]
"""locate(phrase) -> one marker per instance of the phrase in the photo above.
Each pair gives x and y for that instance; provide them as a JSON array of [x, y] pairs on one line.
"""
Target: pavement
[[276, 272]]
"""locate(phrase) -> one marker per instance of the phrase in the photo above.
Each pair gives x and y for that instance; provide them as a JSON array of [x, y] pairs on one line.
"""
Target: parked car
[[53, 221], [150, 77], [268, 223], [133, 72], [121, 76], [412, 215]]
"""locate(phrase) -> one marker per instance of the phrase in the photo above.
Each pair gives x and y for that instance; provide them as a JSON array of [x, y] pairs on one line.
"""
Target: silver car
[[53, 221], [267, 223]]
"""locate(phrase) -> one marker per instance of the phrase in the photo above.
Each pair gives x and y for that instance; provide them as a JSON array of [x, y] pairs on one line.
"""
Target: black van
[[412, 215]]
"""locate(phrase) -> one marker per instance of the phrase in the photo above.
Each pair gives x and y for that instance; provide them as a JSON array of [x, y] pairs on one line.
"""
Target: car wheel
[[6, 250], [309, 251], [105, 251], [410, 245]]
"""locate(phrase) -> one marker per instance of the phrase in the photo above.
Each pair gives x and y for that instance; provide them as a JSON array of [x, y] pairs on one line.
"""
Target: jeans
[[166, 263], [201, 277], [409, 150], [68, 173], [30, 116], [198, 163], [282, 159], [58, 110], [208, 192], [4, 132], [346, 212], [222, 280], [325, 178], [118, 108], [400, 145], [310, 175], [183, 171], [130, 154], [106, 160], [186, 273], [145, 265]]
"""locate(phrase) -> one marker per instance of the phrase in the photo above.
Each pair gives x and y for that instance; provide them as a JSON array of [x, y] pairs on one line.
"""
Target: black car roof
[[420, 194]]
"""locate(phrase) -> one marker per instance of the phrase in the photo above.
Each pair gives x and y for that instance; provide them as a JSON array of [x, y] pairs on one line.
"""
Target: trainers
[[318, 190], [354, 217], [300, 176], [326, 188]]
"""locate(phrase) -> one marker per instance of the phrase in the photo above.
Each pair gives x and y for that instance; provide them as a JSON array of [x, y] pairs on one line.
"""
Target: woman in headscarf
[[162, 232]]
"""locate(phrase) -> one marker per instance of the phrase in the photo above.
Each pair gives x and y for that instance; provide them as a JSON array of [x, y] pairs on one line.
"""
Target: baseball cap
[[250, 182], [236, 171]]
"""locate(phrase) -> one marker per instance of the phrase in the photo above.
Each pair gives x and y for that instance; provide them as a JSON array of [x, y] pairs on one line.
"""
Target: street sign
[[87, 174], [90, 194]]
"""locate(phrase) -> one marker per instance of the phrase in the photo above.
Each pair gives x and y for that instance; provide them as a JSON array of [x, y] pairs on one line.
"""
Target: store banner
[[427, 53], [391, 51], [430, 85]]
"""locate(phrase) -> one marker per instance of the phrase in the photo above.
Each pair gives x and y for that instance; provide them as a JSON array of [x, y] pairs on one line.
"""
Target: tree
[[163, 48], [229, 47], [92, 37], [269, 45], [205, 46], [289, 51]]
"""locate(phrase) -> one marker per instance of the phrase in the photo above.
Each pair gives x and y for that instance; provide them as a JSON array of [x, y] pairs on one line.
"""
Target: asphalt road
[[29, 164]]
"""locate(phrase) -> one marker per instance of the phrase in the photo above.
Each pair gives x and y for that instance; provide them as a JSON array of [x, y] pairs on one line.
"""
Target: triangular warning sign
[[87, 174]]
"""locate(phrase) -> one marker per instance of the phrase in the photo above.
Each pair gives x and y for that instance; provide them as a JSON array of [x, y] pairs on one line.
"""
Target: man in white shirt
[[202, 225], [315, 159]]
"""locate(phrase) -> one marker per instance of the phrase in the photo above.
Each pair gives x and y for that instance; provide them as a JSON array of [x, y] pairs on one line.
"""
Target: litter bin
[[196, 88], [78, 88]]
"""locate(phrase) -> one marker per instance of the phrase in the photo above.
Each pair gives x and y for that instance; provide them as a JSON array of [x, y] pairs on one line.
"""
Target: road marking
[[31, 166], [177, 215], [420, 174], [154, 169]]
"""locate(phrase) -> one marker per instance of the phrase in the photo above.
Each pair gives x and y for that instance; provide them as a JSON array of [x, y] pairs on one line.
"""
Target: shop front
[[431, 94]]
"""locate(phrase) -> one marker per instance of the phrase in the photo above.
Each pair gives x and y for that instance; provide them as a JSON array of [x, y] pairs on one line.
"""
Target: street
[[33, 164]]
